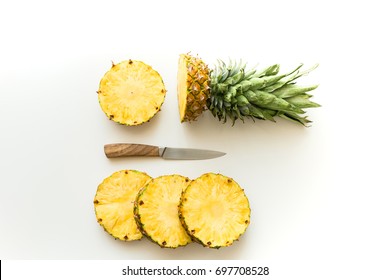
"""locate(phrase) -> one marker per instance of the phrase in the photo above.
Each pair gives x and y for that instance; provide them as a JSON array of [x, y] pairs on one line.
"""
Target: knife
[[129, 150]]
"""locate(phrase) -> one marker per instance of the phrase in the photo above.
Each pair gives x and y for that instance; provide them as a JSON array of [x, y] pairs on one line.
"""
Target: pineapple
[[232, 91], [156, 211], [114, 201], [214, 210], [193, 87], [131, 92]]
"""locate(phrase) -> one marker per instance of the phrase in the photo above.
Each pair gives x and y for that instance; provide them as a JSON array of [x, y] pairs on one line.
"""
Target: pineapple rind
[[156, 211], [193, 87], [114, 200], [214, 210], [131, 93]]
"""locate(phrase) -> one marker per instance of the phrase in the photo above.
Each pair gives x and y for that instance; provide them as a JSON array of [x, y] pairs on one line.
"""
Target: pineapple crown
[[238, 93]]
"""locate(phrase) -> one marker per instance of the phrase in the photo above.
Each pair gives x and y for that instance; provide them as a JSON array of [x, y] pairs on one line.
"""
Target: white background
[[319, 195]]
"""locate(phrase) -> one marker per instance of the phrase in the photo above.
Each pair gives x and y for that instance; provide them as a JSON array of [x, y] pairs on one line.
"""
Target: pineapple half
[[131, 92], [156, 211], [214, 210], [114, 202], [232, 91]]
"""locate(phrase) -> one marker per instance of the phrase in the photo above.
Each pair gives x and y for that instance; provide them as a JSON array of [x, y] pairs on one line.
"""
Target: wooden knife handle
[[129, 150]]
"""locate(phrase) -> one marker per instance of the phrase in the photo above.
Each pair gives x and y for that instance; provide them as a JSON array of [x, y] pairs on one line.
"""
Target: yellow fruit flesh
[[131, 92], [182, 86], [215, 210], [157, 211], [114, 202]]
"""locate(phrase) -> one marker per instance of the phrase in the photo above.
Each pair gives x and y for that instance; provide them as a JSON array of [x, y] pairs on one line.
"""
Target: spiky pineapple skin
[[193, 87], [165, 211], [117, 195], [215, 189], [131, 93]]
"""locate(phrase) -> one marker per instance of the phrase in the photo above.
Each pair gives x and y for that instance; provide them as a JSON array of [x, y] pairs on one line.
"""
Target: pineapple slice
[[156, 211], [114, 201], [192, 87], [214, 210], [131, 92]]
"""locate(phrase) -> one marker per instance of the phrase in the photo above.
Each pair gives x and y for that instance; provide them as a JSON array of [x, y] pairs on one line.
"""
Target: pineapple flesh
[[114, 202], [192, 87], [237, 92], [131, 92], [214, 210], [156, 211]]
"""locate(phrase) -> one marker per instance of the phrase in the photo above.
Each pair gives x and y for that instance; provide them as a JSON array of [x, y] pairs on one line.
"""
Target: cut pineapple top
[[232, 91], [131, 92], [156, 211], [114, 202], [214, 210]]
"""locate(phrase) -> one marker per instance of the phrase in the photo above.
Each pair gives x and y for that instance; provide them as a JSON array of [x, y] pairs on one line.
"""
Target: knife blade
[[130, 150]]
